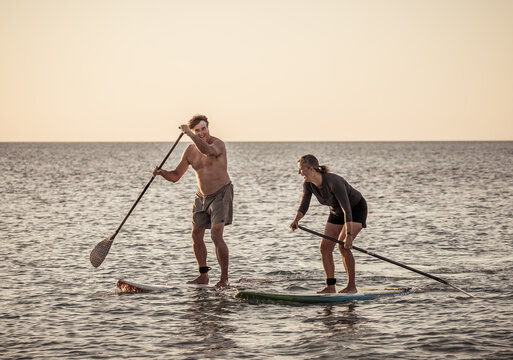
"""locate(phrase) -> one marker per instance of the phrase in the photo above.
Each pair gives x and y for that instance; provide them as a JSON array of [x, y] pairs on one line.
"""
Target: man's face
[[201, 130]]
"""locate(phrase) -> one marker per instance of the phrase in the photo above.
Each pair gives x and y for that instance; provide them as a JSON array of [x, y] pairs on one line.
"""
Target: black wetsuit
[[341, 197]]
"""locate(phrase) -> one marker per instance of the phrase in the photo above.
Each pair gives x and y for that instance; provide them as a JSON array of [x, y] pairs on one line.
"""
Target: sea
[[444, 208]]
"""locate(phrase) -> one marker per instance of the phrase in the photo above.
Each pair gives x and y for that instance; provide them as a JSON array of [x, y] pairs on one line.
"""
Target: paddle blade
[[460, 290], [100, 251]]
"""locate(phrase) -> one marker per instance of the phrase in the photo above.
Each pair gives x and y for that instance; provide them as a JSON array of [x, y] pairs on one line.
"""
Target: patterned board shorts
[[214, 208]]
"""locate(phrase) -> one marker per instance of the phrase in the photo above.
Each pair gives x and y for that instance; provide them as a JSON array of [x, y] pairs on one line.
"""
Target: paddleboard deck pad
[[253, 296], [131, 287]]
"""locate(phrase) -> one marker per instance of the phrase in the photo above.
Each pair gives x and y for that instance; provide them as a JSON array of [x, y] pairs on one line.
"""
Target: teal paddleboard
[[319, 298]]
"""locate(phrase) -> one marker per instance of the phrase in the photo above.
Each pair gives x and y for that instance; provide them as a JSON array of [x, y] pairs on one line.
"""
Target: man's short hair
[[196, 119]]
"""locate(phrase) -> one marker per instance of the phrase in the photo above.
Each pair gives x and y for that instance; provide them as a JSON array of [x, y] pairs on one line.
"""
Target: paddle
[[101, 250], [385, 259]]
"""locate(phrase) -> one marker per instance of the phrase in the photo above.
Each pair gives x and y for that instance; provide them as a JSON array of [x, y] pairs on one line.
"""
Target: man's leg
[[326, 247], [200, 252], [221, 251]]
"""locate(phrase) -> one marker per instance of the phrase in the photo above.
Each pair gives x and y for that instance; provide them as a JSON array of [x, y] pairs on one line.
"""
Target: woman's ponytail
[[323, 169]]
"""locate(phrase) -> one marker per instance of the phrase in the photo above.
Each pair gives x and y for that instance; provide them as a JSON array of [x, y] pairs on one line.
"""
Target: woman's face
[[304, 171]]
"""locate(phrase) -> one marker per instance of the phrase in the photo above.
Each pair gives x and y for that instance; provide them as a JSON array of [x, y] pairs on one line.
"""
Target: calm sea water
[[444, 208]]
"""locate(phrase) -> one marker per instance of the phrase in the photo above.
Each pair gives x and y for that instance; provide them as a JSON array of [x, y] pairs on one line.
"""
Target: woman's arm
[[305, 199], [295, 222], [303, 206], [340, 192]]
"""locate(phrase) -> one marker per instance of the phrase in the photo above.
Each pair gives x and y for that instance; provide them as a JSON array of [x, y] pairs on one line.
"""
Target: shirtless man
[[212, 207]]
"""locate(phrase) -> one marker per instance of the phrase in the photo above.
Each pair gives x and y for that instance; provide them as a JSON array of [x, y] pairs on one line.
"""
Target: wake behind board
[[319, 298], [128, 287]]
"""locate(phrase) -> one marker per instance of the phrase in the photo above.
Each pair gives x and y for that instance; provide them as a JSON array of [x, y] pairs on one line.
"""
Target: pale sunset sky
[[262, 70]]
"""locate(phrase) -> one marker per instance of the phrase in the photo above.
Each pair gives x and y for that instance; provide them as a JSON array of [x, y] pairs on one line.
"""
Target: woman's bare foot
[[222, 284], [328, 290], [348, 290], [202, 279]]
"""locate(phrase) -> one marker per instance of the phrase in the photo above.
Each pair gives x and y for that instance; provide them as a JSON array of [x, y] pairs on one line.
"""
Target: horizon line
[[243, 141]]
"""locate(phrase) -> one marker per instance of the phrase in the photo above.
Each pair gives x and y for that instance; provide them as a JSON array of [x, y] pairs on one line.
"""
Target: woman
[[348, 213]]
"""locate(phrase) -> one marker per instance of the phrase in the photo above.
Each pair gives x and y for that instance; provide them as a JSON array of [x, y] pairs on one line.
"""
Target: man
[[212, 207]]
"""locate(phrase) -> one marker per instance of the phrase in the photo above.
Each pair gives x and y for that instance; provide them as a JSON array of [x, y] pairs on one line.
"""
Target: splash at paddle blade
[[100, 251]]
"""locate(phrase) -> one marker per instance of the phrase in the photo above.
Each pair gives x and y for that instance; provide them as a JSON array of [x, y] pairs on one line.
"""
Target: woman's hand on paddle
[[348, 242], [293, 225], [156, 171]]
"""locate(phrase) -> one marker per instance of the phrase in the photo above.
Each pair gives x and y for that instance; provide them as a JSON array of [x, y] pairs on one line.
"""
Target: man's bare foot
[[348, 290], [222, 284], [328, 290], [202, 279]]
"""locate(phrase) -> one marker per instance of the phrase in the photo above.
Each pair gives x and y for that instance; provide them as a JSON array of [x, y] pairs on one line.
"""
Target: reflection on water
[[339, 319], [336, 323], [208, 313]]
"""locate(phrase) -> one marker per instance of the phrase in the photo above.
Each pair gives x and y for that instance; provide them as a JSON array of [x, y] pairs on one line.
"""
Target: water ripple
[[439, 207]]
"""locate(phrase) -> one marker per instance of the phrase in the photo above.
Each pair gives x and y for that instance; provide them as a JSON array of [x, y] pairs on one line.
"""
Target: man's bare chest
[[199, 162]]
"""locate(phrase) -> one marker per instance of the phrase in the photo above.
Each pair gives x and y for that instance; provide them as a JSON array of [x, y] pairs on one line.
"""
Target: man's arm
[[177, 173], [215, 149]]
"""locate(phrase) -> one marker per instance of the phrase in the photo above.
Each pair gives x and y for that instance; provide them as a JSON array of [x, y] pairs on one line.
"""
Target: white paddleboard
[[127, 286]]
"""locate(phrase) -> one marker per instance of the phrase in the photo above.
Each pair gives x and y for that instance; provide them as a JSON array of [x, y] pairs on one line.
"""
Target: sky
[[262, 70]]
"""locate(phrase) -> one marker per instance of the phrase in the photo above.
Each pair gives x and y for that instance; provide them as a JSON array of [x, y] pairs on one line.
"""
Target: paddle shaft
[[385, 259], [146, 188]]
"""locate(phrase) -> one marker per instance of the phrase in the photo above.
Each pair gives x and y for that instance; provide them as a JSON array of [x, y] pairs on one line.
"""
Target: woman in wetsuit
[[348, 215]]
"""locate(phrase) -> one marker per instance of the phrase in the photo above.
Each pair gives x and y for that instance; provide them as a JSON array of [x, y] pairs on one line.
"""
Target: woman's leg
[[326, 248], [347, 257]]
